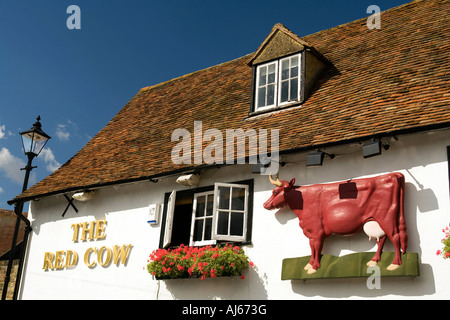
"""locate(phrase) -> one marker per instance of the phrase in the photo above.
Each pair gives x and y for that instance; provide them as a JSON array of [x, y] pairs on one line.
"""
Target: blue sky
[[77, 80]]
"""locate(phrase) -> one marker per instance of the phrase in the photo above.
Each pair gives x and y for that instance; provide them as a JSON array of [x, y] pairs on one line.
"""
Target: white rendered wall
[[422, 158]]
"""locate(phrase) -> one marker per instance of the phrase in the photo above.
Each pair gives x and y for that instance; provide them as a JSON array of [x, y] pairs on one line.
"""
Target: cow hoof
[[393, 267], [311, 271], [308, 266], [371, 263]]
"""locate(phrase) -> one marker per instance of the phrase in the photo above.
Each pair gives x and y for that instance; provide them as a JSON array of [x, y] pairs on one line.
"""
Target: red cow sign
[[345, 208]]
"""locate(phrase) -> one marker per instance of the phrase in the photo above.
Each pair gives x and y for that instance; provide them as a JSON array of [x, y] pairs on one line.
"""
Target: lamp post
[[33, 141]]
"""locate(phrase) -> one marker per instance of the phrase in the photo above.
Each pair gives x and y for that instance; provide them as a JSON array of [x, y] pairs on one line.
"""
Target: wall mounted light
[[83, 196], [189, 179], [373, 148], [316, 158]]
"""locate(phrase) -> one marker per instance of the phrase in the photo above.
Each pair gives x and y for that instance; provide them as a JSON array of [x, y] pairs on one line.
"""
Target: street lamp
[[33, 141]]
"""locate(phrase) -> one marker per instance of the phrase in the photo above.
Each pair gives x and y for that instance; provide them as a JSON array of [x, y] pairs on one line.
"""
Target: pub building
[[244, 180]]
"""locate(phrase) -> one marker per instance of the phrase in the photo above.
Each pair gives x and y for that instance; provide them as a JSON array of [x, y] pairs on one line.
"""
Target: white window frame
[[171, 202], [280, 81], [258, 72], [194, 218], [169, 219], [277, 94], [229, 237]]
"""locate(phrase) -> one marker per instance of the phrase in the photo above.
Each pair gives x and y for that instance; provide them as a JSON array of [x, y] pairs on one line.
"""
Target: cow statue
[[345, 208]]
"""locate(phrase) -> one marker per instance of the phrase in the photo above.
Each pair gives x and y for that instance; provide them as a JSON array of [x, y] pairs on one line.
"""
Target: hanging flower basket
[[198, 262], [445, 252]]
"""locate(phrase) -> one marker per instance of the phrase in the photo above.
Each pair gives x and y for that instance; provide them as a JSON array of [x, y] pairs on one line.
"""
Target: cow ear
[[291, 183]]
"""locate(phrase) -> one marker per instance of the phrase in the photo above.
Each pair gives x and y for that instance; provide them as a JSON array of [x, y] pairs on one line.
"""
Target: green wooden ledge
[[350, 266]]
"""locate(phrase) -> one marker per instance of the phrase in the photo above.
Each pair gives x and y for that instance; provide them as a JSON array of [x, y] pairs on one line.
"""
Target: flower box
[[198, 262]]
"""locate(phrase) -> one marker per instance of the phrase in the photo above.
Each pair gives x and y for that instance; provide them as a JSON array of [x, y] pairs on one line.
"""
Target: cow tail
[[402, 222]]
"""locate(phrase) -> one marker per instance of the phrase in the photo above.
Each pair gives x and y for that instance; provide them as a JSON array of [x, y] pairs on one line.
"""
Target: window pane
[[294, 89], [285, 69], [271, 73], [270, 95], [284, 91], [222, 224], [237, 224], [262, 76], [224, 197], [209, 205], [294, 72], [261, 97], [271, 78], [208, 229], [294, 61], [200, 210], [198, 230], [238, 199]]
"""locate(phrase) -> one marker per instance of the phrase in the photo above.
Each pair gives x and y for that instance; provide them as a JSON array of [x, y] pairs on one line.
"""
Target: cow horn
[[277, 182]]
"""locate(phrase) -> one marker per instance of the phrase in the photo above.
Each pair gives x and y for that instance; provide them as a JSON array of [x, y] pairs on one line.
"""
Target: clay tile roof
[[381, 81]]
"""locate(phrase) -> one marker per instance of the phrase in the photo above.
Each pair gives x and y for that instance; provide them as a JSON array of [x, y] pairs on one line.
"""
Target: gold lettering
[[87, 255], [121, 252], [87, 227], [100, 229], [89, 231], [59, 258], [71, 258], [75, 227], [100, 256], [48, 261]]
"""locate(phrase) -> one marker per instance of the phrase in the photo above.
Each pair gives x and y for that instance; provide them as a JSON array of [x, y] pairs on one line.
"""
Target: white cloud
[[11, 165], [49, 158], [2, 131], [62, 133], [1, 190]]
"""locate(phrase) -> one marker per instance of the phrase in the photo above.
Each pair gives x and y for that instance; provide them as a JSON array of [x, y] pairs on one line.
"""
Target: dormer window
[[289, 79], [267, 84], [278, 83], [285, 69]]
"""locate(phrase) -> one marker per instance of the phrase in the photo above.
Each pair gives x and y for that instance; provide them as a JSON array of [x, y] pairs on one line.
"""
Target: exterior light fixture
[[373, 148], [316, 158], [189, 179], [34, 140], [83, 196]]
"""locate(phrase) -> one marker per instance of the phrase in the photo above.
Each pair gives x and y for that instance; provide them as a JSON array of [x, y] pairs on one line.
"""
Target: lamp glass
[[34, 140]]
